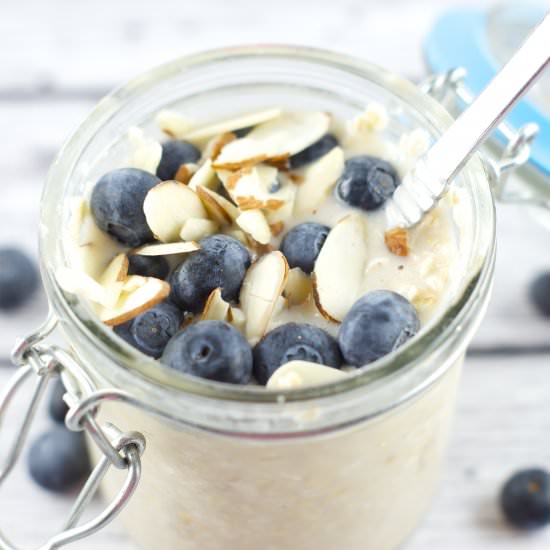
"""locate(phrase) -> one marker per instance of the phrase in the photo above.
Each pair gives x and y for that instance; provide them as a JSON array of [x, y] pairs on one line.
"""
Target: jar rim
[[405, 358]]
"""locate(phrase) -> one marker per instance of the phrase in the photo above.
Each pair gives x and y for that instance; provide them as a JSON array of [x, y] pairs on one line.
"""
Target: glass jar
[[352, 464]]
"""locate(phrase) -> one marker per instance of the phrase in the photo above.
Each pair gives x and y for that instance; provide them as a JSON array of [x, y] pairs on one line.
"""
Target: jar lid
[[481, 42]]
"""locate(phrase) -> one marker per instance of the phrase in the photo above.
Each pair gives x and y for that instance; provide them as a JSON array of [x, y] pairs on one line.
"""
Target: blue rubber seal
[[458, 39]]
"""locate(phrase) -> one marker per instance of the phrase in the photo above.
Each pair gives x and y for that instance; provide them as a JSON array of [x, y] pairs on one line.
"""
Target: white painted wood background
[[58, 57]]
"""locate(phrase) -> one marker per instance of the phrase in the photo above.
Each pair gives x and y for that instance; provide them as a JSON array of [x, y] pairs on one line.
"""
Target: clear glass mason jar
[[352, 464]]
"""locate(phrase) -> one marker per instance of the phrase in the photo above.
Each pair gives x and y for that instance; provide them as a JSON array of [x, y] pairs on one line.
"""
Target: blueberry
[[302, 244], [150, 331], [367, 182], [315, 151], [117, 205], [175, 153], [56, 406], [222, 261], [148, 266], [18, 278], [214, 350], [291, 342], [539, 292], [377, 324], [58, 459], [525, 499]]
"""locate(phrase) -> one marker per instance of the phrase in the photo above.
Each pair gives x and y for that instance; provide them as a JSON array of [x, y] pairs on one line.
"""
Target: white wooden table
[[58, 57]]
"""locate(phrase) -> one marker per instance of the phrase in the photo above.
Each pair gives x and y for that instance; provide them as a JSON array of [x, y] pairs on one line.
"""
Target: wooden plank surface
[[58, 57]]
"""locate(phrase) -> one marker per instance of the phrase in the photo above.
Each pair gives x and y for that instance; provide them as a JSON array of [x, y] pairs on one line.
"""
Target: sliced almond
[[237, 123], [195, 229], [236, 234], [339, 268], [251, 188], [216, 308], [133, 303], [204, 177], [286, 135], [219, 208], [319, 179], [216, 144], [277, 228], [133, 282], [298, 287], [236, 317], [77, 282], [173, 123], [262, 286], [185, 172], [301, 374], [397, 241], [147, 152], [168, 206], [113, 279], [166, 249], [254, 223]]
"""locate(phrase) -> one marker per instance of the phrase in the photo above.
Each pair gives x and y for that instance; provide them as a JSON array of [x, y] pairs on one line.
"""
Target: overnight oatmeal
[[256, 249]]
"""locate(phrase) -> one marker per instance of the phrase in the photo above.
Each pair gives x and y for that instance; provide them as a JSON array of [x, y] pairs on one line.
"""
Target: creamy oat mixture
[[253, 178]]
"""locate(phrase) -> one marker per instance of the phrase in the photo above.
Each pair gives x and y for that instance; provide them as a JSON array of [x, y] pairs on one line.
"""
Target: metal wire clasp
[[122, 450], [449, 88]]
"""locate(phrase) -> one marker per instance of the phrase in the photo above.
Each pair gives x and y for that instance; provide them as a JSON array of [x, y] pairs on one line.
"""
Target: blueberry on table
[[117, 205], [214, 350], [221, 262], [151, 330], [367, 182], [302, 244], [292, 342], [175, 153], [58, 459], [525, 499], [315, 151], [539, 292], [148, 266], [56, 406], [377, 324], [18, 278]]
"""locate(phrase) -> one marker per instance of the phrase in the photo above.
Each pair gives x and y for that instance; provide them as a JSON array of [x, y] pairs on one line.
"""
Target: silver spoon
[[424, 185]]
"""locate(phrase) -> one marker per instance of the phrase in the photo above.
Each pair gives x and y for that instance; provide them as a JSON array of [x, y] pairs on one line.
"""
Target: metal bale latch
[[122, 450]]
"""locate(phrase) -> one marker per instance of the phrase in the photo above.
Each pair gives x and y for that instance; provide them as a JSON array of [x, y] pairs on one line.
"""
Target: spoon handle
[[449, 154]]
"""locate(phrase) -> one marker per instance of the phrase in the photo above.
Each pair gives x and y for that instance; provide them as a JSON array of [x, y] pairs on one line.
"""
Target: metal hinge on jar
[[121, 450], [449, 88]]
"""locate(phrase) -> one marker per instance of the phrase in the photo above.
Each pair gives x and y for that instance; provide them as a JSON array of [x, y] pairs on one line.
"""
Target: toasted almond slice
[[219, 208], [173, 123], [195, 229], [262, 286], [168, 206], [286, 135], [133, 282], [216, 308], [216, 144], [113, 279], [133, 303], [397, 241], [236, 317], [185, 172], [203, 177], [319, 180], [301, 374], [254, 223], [237, 123], [166, 249], [298, 287], [147, 152], [277, 228], [339, 268], [77, 282]]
